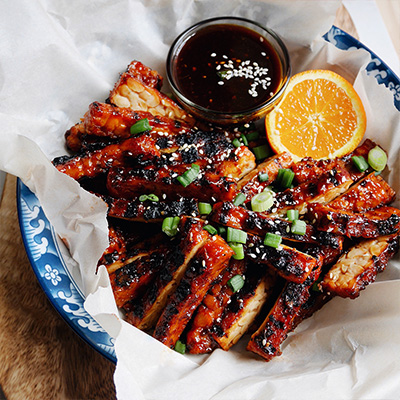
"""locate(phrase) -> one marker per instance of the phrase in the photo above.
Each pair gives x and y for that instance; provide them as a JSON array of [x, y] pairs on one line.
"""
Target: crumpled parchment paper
[[58, 56]]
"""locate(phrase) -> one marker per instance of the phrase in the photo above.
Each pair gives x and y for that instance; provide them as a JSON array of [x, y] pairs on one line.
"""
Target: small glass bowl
[[228, 117]]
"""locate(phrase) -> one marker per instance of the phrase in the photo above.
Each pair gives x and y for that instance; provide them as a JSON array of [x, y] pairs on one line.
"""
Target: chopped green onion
[[263, 177], [292, 215], [236, 235], [180, 347], [189, 176], [205, 208], [236, 283], [236, 142], [151, 197], [272, 240], [315, 287], [377, 159], [140, 126], [239, 199], [262, 201], [221, 230], [360, 163], [261, 152], [238, 249], [299, 227], [244, 139], [285, 177], [170, 225], [210, 229], [251, 136]]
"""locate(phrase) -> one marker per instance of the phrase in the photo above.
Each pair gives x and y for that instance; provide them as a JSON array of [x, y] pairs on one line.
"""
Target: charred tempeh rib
[[244, 307], [368, 193], [134, 91], [150, 211], [199, 339], [144, 312], [359, 266], [250, 184], [204, 268], [259, 224], [371, 224], [132, 182], [329, 185], [288, 262]]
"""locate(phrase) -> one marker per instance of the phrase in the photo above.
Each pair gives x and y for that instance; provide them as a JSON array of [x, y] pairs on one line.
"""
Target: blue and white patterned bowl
[[45, 255]]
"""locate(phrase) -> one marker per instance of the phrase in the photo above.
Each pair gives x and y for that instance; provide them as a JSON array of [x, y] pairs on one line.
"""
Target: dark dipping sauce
[[228, 68]]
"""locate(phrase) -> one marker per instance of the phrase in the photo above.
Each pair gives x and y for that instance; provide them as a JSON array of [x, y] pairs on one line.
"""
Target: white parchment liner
[[58, 56]]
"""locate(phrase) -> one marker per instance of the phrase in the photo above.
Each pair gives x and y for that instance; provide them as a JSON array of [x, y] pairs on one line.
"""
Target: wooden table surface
[[41, 357]]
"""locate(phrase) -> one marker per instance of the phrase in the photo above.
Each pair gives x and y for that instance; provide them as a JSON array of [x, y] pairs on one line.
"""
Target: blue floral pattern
[[46, 258]]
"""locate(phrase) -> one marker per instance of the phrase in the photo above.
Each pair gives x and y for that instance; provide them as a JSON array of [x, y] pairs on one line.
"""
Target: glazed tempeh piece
[[250, 184], [368, 193], [139, 151], [260, 223], [144, 312], [371, 224], [131, 280], [266, 341], [359, 266], [150, 211], [329, 185], [204, 268], [132, 182], [199, 339], [132, 90], [290, 263], [243, 308]]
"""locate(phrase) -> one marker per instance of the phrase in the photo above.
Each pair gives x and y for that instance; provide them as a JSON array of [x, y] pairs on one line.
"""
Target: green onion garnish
[[377, 159], [205, 208], [221, 230], [238, 249], [170, 226], [140, 126], [261, 152], [360, 163], [263, 177], [210, 229], [292, 215], [262, 201], [236, 235], [236, 142], [251, 136], [285, 177], [180, 347], [239, 199], [299, 227], [272, 240], [244, 139], [236, 283], [151, 197], [189, 176]]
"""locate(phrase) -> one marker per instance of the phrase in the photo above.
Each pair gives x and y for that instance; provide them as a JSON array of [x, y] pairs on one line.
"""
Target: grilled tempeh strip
[[288, 262], [250, 184], [134, 91], [150, 211], [329, 185], [359, 266], [368, 193], [260, 223], [132, 182], [243, 308], [371, 224], [199, 339], [144, 312], [204, 268]]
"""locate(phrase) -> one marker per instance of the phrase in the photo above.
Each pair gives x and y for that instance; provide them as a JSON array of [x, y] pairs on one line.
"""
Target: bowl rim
[[230, 20]]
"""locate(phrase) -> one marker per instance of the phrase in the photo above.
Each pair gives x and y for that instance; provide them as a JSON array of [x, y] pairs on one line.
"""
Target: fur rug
[[41, 357]]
